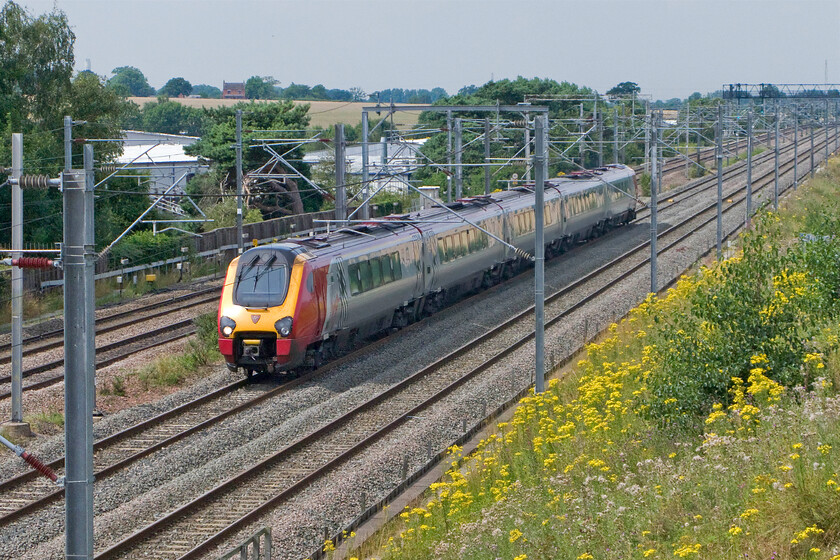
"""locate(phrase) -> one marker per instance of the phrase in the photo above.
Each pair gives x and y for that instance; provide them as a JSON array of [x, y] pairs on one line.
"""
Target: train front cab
[[261, 325]]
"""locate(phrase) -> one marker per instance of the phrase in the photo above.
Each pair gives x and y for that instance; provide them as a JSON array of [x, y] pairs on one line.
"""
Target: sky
[[671, 48]]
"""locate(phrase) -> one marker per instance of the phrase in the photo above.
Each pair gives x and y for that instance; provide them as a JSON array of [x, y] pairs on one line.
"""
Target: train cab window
[[376, 272], [395, 260], [261, 281], [355, 279], [364, 273]]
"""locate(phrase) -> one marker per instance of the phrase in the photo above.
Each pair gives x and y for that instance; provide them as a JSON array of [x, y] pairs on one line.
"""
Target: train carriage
[[300, 302]]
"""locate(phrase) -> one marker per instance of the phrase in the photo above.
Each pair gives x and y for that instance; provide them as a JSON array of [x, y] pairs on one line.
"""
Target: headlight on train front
[[227, 326], [284, 326]]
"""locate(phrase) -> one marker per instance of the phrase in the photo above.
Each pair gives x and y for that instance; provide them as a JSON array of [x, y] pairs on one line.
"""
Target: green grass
[[705, 425], [168, 371], [46, 423]]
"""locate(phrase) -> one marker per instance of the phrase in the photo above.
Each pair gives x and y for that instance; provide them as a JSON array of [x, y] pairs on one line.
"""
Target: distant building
[[233, 90], [162, 157]]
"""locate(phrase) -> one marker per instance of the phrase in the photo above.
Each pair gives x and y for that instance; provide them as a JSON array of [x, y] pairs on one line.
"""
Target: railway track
[[51, 372], [55, 338], [677, 196], [198, 526]]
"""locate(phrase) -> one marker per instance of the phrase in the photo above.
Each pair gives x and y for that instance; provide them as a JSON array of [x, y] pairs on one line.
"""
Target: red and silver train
[[300, 302]]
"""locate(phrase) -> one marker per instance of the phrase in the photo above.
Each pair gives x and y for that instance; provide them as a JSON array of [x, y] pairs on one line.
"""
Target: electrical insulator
[[32, 262], [34, 181]]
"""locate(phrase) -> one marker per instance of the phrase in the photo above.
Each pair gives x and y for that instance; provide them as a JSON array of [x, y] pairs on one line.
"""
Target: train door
[[429, 263], [337, 293]]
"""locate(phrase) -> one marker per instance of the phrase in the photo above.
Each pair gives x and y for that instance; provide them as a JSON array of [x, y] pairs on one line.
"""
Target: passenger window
[[364, 273], [376, 272], [387, 269], [450, 250], [355, 279], [395, 259], [310, 283]]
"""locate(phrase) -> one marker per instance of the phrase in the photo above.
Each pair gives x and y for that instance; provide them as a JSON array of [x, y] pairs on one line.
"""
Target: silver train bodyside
[[386, 276]]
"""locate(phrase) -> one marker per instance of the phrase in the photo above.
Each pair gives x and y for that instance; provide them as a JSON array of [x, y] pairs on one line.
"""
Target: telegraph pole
[[68, 143], [528, 147], [78, 405], [90, 282], [364, 213], [449, 156], [749, 166], [652, 136], [719, 156], [340, 183], [17, 289], [795, 149], [776, 164], [486, 155], [239, 243], [539, 254], [459, 171], [615, 135], [827, 149], [813, 170]]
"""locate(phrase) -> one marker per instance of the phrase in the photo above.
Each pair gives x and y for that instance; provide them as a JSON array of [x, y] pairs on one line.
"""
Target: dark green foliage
[[176, 87], [171, 117], [624, 88], [257, 87], [128, 80], [207, 91], [143, 247]]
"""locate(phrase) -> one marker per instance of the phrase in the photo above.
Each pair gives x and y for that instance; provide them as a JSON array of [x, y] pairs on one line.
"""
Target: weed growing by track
[[705, 425], [201, 350]]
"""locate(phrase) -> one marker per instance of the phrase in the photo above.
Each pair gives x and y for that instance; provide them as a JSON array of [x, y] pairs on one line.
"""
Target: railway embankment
[[705, 424]]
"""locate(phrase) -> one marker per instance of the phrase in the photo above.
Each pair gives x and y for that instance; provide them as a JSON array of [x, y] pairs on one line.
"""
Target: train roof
[[472, 208]]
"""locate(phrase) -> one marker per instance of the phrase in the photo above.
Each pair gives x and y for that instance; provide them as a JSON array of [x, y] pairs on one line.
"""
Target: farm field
[[323, 113], [706, 424]]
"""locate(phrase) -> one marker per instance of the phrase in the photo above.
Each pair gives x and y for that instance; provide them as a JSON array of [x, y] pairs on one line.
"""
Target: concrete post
[[17, 286], [539, 255], [78, 431], [68, 143], [776, 163], [340, 182], [813, 169], [653, 143], [527, 147], [825, 126], [599, 125], [749, 166], [364, 212], [615, 135], [486, 155], [449, 156], [90, 283], [459, 171], [795, 149], [238, 146], [719, 157], [647, 168]]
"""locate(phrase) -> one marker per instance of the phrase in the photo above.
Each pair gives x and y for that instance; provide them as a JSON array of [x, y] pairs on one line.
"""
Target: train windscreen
[[262, 280]]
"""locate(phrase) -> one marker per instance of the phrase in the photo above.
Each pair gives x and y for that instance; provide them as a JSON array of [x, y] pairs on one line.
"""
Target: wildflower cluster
[[702, 426]]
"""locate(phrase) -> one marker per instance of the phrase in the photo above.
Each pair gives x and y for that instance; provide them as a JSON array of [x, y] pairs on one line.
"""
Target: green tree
[[216, 143], [36, 65], [209, 92], [170, 117], [176, 87], [128, 80], [257, 87], [624, 88]]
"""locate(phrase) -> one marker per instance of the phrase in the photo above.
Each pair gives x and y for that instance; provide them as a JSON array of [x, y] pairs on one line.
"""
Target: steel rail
[[333, 425]]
